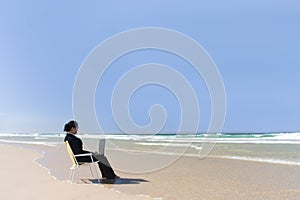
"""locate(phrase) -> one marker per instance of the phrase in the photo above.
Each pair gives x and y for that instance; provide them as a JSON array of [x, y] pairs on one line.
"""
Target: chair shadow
[[117, 181]]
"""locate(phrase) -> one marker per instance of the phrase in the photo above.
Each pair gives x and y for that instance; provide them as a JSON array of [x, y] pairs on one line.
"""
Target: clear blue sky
[[255, 45]]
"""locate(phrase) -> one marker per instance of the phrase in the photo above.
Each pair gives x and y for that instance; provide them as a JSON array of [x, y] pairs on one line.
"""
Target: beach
[[23, 178], [35, 171]]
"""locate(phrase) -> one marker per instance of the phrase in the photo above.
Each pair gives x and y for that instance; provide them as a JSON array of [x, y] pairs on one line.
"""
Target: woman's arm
[[77, 146]]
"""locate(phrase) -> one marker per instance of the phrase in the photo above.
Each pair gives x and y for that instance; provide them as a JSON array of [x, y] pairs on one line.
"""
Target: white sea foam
[[255, 141], [30, 142], [265, 160], [169, 144], [40, 138], [162, 144]]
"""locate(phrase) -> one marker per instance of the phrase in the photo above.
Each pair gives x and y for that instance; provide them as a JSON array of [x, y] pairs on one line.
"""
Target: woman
[[77, 147]]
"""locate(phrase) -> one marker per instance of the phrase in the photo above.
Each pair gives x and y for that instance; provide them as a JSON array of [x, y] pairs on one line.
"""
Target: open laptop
[[101, 146]]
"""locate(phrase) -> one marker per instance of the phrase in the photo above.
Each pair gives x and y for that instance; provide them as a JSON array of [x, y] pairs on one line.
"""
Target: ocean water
[[277, 148]]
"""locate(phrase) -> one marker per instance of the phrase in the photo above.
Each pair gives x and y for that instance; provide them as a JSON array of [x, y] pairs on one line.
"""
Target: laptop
[[101, 146]]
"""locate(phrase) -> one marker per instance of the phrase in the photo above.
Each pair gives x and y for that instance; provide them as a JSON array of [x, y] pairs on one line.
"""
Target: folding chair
[[76, 164]]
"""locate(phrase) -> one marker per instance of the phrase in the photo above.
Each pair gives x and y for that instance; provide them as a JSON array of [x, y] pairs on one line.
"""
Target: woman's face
[[73, 130]]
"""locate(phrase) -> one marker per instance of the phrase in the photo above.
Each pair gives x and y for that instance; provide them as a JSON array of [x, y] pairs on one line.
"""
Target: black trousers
[[104, 166]]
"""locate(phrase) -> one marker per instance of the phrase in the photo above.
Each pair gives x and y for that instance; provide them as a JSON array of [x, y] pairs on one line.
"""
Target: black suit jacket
[[75, 144]]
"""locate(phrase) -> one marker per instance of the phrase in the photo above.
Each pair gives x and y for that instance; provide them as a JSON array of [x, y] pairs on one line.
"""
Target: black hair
[[70, 125]]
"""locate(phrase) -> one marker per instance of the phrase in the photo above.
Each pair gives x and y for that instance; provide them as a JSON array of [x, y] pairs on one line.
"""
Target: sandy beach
[[25, 177]]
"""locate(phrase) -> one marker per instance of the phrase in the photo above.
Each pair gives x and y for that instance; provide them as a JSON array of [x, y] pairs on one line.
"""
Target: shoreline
[[29, 180]]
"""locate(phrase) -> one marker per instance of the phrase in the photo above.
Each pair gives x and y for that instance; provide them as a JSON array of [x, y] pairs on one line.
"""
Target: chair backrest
[[70, 152]]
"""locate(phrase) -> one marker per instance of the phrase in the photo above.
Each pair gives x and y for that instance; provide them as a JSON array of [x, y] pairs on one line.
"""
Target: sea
[[277, 148]]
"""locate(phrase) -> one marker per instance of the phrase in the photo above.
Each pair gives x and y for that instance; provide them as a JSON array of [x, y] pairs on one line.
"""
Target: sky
[[254, 44]]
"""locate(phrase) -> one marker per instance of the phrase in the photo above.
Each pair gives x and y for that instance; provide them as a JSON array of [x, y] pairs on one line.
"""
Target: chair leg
[[72, 174], [97, 172], [91, 171]]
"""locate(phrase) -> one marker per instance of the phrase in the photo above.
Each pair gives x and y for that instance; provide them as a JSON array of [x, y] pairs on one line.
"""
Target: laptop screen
[[101, 146]]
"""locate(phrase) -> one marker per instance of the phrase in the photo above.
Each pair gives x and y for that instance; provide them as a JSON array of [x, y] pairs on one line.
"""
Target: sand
[[210, 178], [187, 178], [22, 178]]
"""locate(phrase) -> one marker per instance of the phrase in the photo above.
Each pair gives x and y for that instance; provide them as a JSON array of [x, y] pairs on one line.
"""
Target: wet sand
[[211, 178]]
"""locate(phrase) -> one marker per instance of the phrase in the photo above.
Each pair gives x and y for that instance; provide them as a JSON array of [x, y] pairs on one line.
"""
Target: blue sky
[[255, 45]]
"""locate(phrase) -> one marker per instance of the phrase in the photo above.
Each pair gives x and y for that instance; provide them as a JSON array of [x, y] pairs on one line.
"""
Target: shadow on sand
[[117, 181]]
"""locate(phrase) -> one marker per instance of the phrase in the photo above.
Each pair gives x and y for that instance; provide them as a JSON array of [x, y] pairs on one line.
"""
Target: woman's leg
[[105, 168]]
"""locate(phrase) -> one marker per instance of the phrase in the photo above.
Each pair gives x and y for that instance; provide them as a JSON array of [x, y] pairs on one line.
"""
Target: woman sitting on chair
[[77, 147]]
